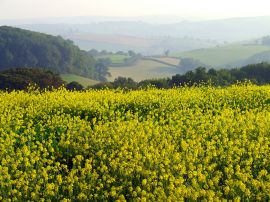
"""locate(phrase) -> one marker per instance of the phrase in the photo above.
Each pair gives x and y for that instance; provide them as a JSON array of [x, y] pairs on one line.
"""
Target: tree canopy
[[23, 48], [21, 78]]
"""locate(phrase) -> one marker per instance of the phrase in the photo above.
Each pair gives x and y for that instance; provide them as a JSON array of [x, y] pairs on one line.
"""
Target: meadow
[[182, 144], [145, 69], [223, 56], [82, 80]]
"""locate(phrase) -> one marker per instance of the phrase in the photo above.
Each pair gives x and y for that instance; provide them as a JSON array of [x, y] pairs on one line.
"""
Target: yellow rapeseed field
[[182, 144]]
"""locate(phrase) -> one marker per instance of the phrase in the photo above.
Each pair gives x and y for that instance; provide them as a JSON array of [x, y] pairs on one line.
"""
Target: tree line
[[21, 78], [256, 73]]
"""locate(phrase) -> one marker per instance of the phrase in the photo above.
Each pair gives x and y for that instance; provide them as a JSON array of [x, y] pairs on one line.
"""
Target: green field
[[143, 69], [82, 80], [224, 55], [115, 58]]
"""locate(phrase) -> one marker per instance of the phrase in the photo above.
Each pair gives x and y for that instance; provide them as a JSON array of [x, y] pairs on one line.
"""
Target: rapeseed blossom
[[198, 143]]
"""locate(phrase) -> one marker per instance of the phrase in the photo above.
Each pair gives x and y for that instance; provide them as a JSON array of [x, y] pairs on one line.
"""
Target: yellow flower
[[82, 196], [144, 182]]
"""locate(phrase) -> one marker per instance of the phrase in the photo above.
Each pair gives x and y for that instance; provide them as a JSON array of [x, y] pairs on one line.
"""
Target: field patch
[[144, 69], [116, 39], [82, 80], [224, 55]]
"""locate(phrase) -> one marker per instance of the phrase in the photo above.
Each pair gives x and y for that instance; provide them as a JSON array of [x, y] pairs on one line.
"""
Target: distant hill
[[226, 56], [112, 34], [149, 68], [23, 48], [257, 58], [144, 45], [232, 29]]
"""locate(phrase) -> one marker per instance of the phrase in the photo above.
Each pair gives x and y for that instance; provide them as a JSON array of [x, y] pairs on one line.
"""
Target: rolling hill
[[81, 80], [257, 58], [114, 34], [145, 69], [145, 45], [232, 29], [224, 56]]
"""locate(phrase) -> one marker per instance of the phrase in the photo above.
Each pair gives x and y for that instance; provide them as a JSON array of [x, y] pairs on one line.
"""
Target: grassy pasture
[[82, 80], [224, 55], [144, 69]]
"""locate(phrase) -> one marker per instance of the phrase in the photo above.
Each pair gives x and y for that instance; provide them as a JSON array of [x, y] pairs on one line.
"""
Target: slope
[[224, 56], [82, 80], [144, 69]]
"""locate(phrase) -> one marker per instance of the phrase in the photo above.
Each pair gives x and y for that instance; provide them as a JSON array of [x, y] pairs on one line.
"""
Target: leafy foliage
[[74, 85], [256, 73], [21, 78], [22, 48]]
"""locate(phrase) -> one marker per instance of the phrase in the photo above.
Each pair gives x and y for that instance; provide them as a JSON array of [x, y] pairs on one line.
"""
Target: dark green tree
[[74, 85], [21, 78], [22, 48]]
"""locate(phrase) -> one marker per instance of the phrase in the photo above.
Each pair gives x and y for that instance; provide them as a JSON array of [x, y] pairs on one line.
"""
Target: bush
[[21, 78], [74, 85]]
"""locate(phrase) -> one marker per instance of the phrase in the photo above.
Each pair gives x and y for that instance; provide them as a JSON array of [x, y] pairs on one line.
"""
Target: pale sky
[[19, 9]]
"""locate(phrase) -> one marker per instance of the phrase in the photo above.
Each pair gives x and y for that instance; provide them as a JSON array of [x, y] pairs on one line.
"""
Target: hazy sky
[[18, 9]]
